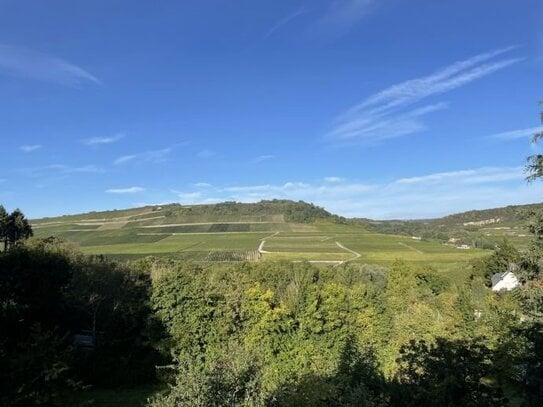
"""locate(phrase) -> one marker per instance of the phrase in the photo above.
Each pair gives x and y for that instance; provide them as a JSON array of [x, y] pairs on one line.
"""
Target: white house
[[506, 280]]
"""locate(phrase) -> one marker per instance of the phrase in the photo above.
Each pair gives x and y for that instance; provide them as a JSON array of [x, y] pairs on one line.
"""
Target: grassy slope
[[204, 233]]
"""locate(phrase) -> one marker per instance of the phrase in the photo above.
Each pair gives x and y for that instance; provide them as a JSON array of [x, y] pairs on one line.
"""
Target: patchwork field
[[213, 238]]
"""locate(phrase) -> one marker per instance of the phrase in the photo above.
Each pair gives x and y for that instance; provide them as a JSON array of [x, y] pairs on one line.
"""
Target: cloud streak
[[262, 158], [26, 63], [424, 196], [153, 156], [342, 15], [516, 134], [390, 113], [129, 190], [103, 140], [462, 177]]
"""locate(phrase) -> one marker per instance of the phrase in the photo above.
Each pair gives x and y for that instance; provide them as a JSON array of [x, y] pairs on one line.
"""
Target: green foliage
[[355, 381], [14, 228], [499, 261], [49, 293], [33, 348], [534, 165], [447, 373], [233, 380], [36, 369]]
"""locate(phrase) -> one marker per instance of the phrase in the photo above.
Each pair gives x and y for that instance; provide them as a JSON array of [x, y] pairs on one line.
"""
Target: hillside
[[481, 228], [512, 215], [282, 210], [266, 230]]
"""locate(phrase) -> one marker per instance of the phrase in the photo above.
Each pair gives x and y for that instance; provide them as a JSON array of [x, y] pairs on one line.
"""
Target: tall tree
[[534, 167], [3, 226], [531, 292], [17, 228]]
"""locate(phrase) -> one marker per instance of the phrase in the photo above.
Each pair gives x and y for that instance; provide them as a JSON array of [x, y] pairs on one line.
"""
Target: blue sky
[[372, 108]]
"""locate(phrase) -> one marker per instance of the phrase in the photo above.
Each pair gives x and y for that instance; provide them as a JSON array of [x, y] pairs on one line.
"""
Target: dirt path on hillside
[[260, 249], [356, 254]]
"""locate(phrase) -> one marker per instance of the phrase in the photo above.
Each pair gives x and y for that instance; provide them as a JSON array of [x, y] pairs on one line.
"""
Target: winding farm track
[[263, 242], [356, 254]]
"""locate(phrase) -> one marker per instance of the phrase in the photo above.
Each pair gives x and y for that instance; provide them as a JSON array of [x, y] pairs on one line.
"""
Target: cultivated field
[[142, 232]]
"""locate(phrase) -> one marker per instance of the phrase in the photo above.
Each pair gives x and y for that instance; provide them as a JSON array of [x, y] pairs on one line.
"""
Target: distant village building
[[453, 240], [506, 280], [463, 247], [416, 237]]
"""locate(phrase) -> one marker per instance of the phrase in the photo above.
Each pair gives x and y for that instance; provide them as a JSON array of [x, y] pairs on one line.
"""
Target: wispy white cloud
[[423, 196], [369, 128], [262, 158], [472, 176], [516, 134], [389, 113], [27, 63], [288, 190], [284, 21], [124, 159], [333, 180], [341, 16], [154, 156], [103, 140], [28, 148], [446, 79], [347, 12], [202, 185], [129, 190]]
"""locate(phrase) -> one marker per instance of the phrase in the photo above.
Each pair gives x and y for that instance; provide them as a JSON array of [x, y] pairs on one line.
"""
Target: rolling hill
[[478, 228], [267, 230]]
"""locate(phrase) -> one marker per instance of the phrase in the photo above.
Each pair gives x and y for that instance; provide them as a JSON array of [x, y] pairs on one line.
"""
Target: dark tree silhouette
[[447, 373], [14, 228], [534, 167], [3, 225]]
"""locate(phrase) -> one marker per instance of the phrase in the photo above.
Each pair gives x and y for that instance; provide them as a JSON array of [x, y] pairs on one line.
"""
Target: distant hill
[[276, 230], [267, 210], [239, 227], [479, 228], [149, 224], [509, 215]]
